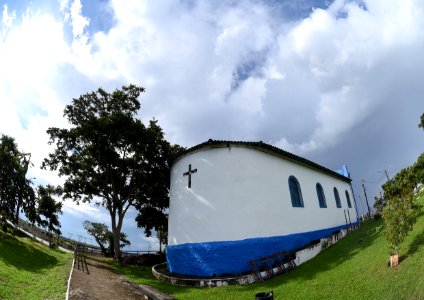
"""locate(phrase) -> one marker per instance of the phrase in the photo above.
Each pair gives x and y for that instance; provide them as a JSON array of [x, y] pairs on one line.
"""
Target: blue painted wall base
[[232, 257]]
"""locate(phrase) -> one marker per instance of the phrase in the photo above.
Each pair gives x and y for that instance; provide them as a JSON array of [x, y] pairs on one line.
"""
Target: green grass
[[354, 268], [29, 270]]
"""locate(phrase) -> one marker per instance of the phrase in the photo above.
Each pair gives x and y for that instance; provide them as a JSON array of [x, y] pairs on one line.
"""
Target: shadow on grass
[[100, 259], [24, 256], [344, 250], [101, 265], [416, 243]]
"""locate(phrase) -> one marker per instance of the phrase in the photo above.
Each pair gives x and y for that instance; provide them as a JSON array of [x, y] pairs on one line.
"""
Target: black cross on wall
[[188, 173]]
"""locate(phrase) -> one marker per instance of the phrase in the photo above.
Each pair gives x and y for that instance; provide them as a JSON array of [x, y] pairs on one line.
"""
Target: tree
[[108, 155], [399, 216], [16, 192], [418, 167], [104, 237], [400, 211], [151, 217], [153, 209], [99, 232], [421, 125], [379, 203], [48, 209], [123, 241], [406, 180]]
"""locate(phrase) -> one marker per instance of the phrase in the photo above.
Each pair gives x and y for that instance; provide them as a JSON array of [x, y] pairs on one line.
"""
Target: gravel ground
[[101, 283]]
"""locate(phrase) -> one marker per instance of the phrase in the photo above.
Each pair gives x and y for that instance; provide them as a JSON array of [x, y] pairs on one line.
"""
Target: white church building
[[232, 202]]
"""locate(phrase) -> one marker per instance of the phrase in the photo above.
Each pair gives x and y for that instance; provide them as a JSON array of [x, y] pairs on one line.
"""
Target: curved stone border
[[69, 280], [152, 293], [202, 282]]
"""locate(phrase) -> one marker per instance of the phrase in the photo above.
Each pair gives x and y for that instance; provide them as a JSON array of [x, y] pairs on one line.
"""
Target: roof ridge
[[269, 147]]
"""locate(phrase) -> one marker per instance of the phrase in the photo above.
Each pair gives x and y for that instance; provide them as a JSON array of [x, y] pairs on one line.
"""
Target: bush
[[399, 216], [400, 211]]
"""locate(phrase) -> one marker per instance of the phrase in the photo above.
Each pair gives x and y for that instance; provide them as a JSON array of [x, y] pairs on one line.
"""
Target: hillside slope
[[354, 268], [29, 270]]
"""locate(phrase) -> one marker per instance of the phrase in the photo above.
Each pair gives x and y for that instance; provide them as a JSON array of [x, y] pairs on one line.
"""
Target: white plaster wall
[[243, 193]]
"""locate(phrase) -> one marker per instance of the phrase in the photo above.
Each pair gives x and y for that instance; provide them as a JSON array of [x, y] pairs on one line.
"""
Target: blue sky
[[338, 82]]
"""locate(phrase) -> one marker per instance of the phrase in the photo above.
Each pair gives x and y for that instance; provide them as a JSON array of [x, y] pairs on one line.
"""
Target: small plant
[[399, 216], [401, 210]]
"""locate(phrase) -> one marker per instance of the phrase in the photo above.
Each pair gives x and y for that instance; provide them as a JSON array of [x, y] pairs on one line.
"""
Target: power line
[[374, 181]]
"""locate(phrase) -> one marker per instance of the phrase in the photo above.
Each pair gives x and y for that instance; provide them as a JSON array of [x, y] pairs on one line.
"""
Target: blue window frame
[[348, 199], [295, 192], [321, 196], [337, 197]]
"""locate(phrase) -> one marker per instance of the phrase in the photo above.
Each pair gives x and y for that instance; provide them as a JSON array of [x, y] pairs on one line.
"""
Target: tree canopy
[[404, 182], [16, 192], [48, 209], [104, 238], [99, 232], [110, 157], [400, 210], [400, 207], [152, 210]]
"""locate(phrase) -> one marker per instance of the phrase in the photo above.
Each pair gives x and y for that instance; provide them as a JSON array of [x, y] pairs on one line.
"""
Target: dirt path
[[102, 282]]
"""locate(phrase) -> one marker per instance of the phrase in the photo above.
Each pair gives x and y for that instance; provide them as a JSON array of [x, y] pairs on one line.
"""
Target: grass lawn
[[354, 268], [29, 270]]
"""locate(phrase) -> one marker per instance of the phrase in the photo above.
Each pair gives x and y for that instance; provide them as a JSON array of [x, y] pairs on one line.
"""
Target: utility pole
[[362, 210], [385, 173], [366, 198]]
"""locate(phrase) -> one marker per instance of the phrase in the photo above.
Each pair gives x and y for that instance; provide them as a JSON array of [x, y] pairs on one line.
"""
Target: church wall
[[239, 208], [244, 193]]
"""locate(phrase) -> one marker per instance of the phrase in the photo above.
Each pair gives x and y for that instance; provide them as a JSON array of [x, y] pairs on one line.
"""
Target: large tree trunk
[[17, 213], [159, 236], [50, 238], [16, 221], [116, 247], [116, 230], [102, 247]]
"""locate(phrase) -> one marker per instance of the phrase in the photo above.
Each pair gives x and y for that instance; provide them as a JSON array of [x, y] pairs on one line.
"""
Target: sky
[[337, 82]]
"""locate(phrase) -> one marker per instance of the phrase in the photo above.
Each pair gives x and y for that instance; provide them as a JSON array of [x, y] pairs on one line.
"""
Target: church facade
[[232, 202]]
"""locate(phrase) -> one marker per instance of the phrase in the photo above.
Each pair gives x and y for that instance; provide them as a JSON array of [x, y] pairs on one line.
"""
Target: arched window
[[337, 197], [321, 196], [348, 199], [295, 192]]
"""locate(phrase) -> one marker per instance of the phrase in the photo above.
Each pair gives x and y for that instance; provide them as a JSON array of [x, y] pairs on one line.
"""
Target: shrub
[[399, 216], [400, 211]]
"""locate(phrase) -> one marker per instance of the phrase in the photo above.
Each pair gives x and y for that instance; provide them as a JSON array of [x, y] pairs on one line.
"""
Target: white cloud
[[79, 22], [7, 19], [214, 70], [32, 51], [338, 55], [85, 211], [148, 243]]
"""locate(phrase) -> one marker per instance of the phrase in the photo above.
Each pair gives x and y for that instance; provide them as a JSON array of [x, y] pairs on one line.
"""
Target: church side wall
[[243, 193], [239, 208]]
